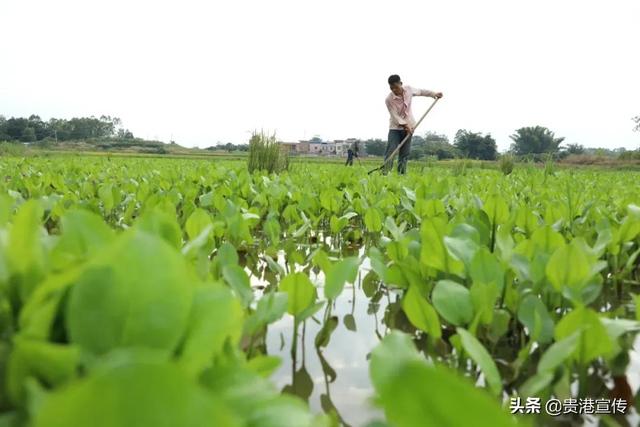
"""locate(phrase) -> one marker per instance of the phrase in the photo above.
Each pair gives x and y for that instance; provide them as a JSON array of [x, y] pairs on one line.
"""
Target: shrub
[[506, 163]]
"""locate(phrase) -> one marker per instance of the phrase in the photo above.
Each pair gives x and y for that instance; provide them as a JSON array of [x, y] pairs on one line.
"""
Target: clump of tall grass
[[507, 163], [549, 166], [460, 167], [266, 154]]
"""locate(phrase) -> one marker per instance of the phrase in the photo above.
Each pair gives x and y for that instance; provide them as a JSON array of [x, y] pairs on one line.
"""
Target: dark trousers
[[395, 138], [349, 157]]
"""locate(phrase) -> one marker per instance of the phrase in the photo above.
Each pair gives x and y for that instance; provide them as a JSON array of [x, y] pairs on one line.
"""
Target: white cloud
[[211, 71]]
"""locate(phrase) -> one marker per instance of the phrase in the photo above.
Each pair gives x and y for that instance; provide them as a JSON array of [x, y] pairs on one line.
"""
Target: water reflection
[[328, 366]]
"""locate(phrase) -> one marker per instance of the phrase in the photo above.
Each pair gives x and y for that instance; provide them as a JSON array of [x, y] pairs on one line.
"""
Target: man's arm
[[394, 113], [425, 92]]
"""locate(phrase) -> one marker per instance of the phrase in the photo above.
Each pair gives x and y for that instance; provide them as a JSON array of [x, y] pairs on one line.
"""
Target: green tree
[[475, 145], [375, 147], [28, 135], [535, 140], [3, 126], [575, 149], [432, 144], [15, 126]]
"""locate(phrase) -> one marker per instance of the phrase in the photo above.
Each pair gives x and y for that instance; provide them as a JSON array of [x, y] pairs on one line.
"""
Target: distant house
[[315, 148], [303, 147], [338, 147], [290, 147]]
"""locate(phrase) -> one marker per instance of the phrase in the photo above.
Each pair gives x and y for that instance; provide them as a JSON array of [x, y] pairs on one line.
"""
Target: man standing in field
[[353, 151], [401, 121]]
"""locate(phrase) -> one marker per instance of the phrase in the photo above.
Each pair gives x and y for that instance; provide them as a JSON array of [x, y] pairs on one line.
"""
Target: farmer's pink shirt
[[400, 106]]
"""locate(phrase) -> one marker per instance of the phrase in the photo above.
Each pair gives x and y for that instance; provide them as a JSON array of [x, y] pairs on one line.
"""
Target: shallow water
[[336, 377], [346, 355]]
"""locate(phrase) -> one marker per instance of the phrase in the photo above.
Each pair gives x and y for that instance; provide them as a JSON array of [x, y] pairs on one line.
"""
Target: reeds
[[266, 154]]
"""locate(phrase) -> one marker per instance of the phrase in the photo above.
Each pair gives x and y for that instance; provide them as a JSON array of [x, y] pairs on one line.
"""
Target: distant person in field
[[401, 121], [353, 151]]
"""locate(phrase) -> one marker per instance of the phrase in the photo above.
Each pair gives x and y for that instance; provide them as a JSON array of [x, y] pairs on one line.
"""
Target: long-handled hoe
[[406, 138]]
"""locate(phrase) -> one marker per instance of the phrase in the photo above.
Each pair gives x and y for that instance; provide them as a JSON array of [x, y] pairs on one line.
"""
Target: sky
[[203, 72]]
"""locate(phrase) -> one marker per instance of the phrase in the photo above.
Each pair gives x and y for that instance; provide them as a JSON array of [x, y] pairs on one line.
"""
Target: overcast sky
[[211, 71]]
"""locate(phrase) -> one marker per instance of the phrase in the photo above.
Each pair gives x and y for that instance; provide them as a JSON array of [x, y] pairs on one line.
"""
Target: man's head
[[395, 84]]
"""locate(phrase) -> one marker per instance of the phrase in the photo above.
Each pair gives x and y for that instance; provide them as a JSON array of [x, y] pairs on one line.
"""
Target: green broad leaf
[[26, 258], [39, 313], [395, 230], [453, 302], [227, 254], [253, 398], [53, 364], [216, 318], [273, 230], [594, 340], [395, 276], [337, 224], [345, 270], [546, 239], [569, 266], [349, 215], [163, 225], [485, 268], [420, 313], [206, 199], [465, 231], [321, 259], [301, 292], [389, 357], [198, 221], [558, 352], [397, 251], [629, 229], [483, 359], [535, 384], [499, 324], [373, 220], [484, 297], [496, 209], [532, 307], [429, 208], [434, 253], [237, 279], [504, 243], [129, 395], [405, 383], [526, 220], [461, 249], [310, 311], [138, 292], [105, 193], [378, 264], [270, 307], [264, 365]]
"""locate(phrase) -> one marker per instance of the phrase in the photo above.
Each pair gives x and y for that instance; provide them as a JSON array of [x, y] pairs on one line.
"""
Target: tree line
[[34, 129], [535, 140]]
